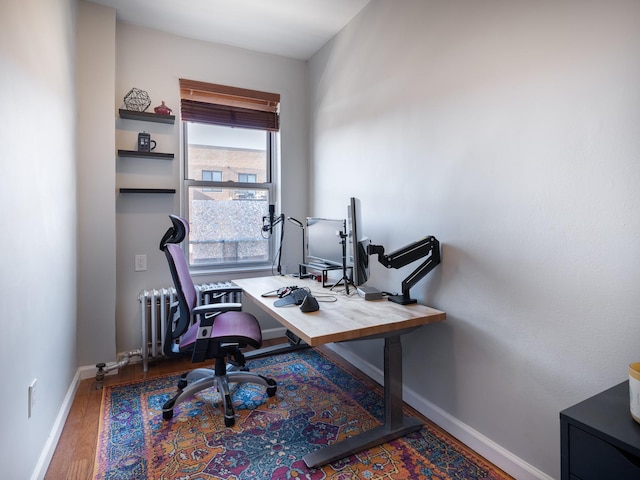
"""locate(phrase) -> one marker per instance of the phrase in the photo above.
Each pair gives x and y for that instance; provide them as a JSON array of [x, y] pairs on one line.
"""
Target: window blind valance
[[230, 106]]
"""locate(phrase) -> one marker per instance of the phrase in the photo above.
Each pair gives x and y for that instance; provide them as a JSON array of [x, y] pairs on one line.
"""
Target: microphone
[[269, 226], [272, 211]]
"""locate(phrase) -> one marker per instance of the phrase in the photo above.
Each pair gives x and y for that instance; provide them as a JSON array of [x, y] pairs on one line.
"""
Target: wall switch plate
[[32, 397], [141, 263]]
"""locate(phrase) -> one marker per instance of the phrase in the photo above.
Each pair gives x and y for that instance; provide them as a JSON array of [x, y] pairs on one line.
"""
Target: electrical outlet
[[141, 263], [32, 396]]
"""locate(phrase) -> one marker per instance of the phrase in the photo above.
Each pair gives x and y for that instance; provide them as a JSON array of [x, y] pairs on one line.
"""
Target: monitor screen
[[324, 245], [357, 256]]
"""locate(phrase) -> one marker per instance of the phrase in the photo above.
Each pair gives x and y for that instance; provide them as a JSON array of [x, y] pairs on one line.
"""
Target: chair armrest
[[206, 315], [204, 310]]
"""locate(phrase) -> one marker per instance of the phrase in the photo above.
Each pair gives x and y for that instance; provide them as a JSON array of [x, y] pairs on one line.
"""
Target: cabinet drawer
[[593, 458]]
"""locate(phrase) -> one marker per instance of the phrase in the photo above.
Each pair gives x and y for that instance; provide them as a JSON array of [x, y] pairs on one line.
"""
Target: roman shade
[[230, 106]]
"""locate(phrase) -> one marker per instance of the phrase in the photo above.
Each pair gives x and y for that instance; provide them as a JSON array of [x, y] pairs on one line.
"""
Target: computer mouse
[[309, 304]]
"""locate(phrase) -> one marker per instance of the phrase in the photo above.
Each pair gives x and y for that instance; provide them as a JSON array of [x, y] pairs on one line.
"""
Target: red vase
[[162, 109]]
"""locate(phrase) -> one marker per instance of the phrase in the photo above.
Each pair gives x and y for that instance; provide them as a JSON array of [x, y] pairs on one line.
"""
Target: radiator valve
[[103, 369], [100, 375]]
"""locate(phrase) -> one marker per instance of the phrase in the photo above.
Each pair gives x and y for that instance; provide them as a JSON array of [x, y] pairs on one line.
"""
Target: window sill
[[229, 273]]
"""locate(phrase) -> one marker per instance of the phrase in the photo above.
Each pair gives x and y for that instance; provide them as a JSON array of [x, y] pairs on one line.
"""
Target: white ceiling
[[291, 28]]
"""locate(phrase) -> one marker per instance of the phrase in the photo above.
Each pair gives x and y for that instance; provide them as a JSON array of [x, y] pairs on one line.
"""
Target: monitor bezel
[[312, 256]]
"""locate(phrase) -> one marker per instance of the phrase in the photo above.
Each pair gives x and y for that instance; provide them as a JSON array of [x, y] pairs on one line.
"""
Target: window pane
[[247, 178], [226, 216], [227, 229], [231, 151], [212, 175]]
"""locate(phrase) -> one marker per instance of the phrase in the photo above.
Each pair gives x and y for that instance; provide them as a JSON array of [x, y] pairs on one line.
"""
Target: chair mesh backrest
[[187, 294]]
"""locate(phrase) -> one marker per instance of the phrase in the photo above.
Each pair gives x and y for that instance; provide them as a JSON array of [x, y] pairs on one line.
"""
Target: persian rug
[[317, 403]]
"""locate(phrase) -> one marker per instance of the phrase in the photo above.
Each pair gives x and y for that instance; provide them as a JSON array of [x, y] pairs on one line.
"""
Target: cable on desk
[[328, 298]]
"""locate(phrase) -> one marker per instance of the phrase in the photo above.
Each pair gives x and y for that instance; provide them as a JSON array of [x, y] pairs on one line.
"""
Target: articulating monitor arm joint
[[427, 247]]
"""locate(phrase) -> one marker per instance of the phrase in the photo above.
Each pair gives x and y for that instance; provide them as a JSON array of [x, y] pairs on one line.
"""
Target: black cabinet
[[600, 439]]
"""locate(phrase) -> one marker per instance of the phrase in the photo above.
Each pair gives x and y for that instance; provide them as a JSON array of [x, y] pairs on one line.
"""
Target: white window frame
[[269, 186]]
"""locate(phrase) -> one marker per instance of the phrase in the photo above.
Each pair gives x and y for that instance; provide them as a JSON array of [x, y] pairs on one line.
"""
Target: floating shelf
[[137, 153], [146, 116], [147, 190]]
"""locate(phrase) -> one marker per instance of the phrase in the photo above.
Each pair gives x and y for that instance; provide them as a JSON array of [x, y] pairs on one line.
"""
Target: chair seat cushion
[[228, 327]]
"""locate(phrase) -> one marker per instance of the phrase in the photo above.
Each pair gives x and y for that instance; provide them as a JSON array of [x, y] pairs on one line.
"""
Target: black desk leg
[[395, 425]]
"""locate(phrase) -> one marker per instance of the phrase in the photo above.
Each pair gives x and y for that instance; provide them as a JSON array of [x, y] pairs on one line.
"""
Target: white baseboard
[[56, 431], [89, 371], [482, 445]]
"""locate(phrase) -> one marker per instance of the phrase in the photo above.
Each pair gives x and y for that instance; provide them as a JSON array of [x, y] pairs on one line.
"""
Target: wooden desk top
[[348, 318]]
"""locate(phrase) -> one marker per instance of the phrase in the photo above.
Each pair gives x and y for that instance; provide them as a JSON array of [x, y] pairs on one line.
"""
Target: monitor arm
[[427, 247]]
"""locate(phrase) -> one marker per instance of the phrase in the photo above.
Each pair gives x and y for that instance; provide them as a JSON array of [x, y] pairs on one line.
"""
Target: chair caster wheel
[[182, 384], [167, 414], [273, 386], [229, 422]]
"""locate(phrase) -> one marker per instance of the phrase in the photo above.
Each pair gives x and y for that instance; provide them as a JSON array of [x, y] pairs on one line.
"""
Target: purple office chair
[[211, 331]]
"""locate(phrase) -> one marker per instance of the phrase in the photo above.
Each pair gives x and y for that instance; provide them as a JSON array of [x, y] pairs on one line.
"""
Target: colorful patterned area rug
[[317, 403]]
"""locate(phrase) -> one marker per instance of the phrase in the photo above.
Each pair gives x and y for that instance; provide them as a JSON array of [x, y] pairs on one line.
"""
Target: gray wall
[[38, 195], [116, 227], [95, 73], [141, 220], [509, 130]]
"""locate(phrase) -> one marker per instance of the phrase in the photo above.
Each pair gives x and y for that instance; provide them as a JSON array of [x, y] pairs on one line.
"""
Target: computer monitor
[[324, 242], [357, 256]]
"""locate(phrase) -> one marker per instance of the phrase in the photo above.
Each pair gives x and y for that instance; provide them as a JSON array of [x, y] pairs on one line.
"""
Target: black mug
[[145, 144]]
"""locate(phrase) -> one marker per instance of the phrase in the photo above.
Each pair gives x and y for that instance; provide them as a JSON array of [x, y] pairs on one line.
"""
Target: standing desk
[[351, 318]]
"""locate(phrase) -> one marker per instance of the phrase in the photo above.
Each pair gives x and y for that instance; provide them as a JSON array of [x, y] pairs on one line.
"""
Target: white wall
[[154, 61], [38, 194], [509, 130]]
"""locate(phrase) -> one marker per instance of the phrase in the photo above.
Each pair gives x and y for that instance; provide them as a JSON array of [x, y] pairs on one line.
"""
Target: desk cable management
[[284, 291]]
